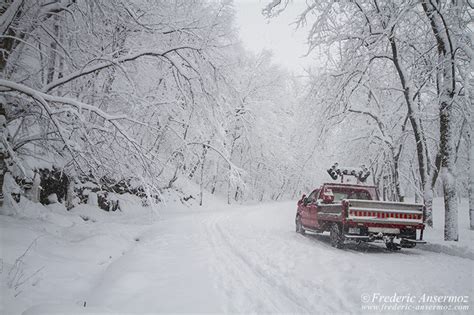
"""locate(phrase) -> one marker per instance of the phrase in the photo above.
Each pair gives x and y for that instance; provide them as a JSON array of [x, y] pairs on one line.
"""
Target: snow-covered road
[[226, 259], [249, 259]]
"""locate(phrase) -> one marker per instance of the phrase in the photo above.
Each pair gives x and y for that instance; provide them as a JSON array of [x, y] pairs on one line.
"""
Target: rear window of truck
[[351, 194]]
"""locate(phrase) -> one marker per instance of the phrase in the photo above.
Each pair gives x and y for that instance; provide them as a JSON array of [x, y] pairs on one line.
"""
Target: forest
[[102, 98]]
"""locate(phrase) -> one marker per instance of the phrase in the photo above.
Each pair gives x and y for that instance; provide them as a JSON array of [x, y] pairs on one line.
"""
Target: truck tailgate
[[384, 212]]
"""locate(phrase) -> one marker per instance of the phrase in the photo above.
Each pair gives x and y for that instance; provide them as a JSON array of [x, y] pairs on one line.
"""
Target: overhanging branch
[[112, 62]]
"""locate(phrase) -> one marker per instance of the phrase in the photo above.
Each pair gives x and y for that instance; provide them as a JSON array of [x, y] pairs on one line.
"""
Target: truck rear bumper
[[384, 230], [381, 238], [398, 225]]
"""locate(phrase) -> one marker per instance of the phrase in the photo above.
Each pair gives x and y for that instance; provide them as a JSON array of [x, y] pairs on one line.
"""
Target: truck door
[[310, 218], [313, 210]]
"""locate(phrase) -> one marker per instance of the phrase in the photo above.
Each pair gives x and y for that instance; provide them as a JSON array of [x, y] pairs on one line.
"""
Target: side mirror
[[302, 199]]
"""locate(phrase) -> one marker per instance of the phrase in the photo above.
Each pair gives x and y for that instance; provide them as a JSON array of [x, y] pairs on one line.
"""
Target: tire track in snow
[[273, 280], [232, 280], [266, 294], [288, 299], [304, 293]]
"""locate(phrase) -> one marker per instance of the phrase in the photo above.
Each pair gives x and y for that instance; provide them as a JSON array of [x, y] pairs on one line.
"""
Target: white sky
[[276, 34]]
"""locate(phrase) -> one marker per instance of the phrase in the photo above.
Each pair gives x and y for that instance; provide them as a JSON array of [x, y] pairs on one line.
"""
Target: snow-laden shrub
[[92, 199], [53, 198], [53, 181], [10, 189], [107, 191]]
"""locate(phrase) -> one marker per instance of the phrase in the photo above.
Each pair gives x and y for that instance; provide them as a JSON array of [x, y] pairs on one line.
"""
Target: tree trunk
[[3, 151], [70, 194], [51, 67], [201, 180], [34, 193], [417, 132], [450, 205], [229, 187], [446, 127], [471, 181], [396, 178], [214, 179], [7, 44], [447, 150]]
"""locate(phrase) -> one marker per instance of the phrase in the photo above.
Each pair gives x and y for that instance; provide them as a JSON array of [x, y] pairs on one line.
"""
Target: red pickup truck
[[354, 213]]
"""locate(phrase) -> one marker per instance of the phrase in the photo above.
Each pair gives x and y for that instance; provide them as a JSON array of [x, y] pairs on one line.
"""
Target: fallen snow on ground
[[214, 259]]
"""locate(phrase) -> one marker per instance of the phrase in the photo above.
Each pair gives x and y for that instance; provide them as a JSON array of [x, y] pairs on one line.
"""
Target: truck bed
[[384, 212]]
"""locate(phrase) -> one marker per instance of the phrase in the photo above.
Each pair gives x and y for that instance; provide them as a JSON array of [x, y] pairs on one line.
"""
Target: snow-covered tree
[[375, 48], [136, 94]]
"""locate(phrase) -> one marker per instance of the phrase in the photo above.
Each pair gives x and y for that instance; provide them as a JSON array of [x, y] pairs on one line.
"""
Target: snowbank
[[49, 254], [435, 236]]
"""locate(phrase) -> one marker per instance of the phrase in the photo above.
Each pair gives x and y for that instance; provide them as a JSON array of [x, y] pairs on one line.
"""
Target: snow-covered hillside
[[233, 259]]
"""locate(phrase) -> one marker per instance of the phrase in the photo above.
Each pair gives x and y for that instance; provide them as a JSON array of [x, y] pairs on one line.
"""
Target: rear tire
[[407, 244], [337, 239], [391, 246], [299, 225]]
